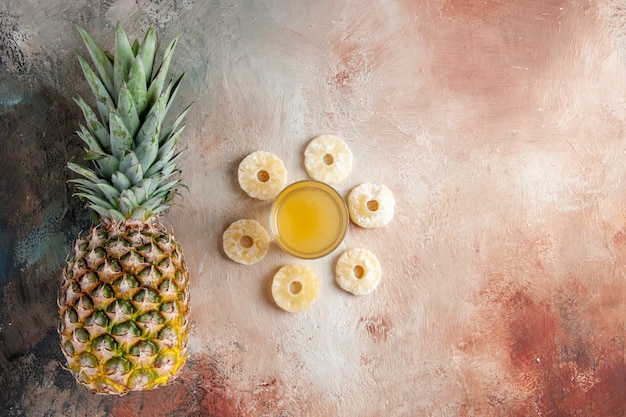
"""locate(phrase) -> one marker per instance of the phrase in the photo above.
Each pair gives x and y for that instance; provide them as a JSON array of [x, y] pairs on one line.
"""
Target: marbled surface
[[498, 124]]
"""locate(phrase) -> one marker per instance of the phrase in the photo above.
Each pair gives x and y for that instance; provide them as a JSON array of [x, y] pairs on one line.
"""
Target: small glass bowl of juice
[[309, 219]]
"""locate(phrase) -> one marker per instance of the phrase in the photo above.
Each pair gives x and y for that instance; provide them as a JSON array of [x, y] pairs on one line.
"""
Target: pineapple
[[262, 175], [328, 159], [123, 301], [246, 241], [371, 205], [295, 287], [358, 271]]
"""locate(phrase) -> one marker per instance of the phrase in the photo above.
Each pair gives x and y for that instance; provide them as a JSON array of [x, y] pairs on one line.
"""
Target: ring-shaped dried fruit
[[262, 175], [371, 205], [246, 241], [358, 271], [295, 287], [327, 158]]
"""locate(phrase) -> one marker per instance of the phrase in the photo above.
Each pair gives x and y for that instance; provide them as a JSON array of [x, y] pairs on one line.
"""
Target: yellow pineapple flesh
[[328, 159], [295, 287], [262, 175], [371, 205], [358, 271], [246, 241]]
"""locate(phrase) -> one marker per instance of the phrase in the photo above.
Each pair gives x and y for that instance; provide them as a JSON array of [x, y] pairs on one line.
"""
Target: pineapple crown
[[134, 157]]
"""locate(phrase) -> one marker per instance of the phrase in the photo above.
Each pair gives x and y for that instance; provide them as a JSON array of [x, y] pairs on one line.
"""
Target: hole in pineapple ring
[[328, 159], [246, 242], [372, 205], [295, 287], [358, 271], [263, 175]]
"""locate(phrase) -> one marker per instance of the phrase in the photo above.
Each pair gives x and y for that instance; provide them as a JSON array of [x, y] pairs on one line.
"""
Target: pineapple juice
[[309, 219]]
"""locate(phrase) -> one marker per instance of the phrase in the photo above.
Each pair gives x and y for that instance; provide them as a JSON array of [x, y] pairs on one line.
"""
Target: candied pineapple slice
[[328, 159], [262, 175], [295, 287], [246, 241], [358, 271], [371, 205]]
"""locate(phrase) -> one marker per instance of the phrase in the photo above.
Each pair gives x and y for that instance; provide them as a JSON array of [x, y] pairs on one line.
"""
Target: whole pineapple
[[124, 298]]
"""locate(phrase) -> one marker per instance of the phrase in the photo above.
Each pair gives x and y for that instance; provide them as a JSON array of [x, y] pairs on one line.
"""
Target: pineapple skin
[[124, 304], [124, 297]]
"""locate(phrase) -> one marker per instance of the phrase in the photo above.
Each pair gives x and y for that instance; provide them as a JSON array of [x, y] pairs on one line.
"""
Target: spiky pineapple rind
[[125, 281]]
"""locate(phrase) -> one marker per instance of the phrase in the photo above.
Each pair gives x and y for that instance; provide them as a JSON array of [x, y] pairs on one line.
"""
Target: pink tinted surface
[[499, 127]]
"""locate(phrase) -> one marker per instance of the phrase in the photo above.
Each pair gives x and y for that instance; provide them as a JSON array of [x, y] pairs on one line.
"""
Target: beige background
[[499, 126]]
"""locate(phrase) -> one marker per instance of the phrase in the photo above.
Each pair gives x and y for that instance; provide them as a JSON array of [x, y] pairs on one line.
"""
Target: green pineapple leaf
[[134, 155], [147, 151], [120, 181], [97, 200], [134, 173], [114, 215], [147, 139], [147, 53], [121, 139], [156, 87], [93, 156], [165, 188], [109, 192], [92, 143], [137, 86], [129, 195], [107, 165], [152, 125], [172, 167], [128, 160], [93, 124], [84, 171], [126, 207], [103, 98], [170, 144], [154, 204], [87, 190], [123, 57], [140, 212], [131, 168], [166, 134], [99, 58], [95, 190], [166, 164], [142, 189], [88, 184], [172, 90], [127, 110], [99, 210]]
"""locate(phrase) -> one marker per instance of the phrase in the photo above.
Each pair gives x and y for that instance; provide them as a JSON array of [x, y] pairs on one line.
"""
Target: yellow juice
[[309, 219]]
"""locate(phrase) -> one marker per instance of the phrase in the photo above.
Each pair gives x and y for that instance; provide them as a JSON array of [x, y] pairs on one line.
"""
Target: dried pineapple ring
[[371, 205], [295, 287], [246, 241], [262, 175], [328, 159], [358, 271]]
